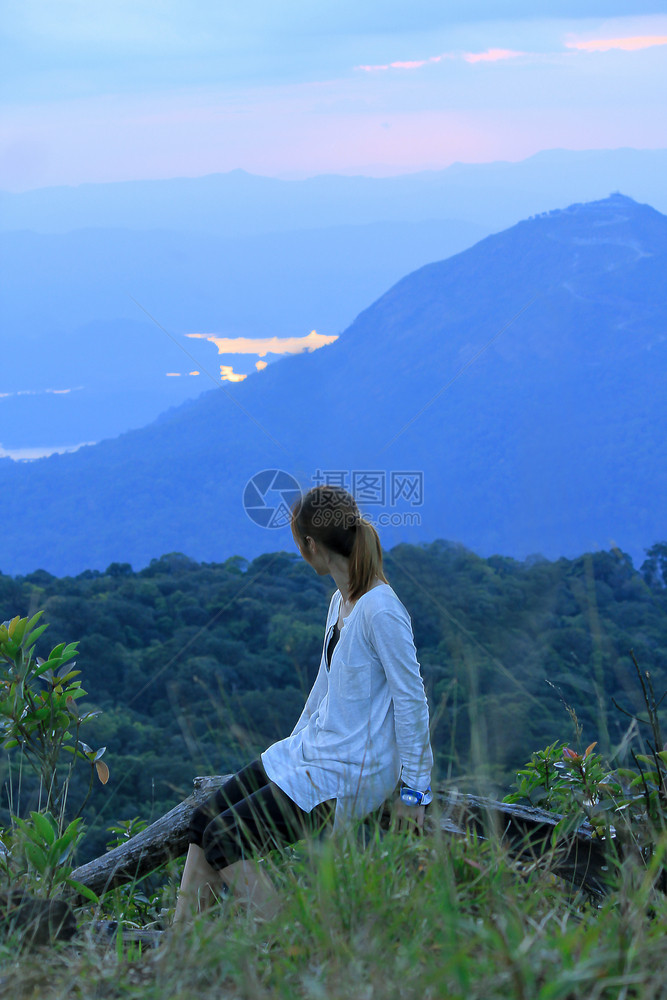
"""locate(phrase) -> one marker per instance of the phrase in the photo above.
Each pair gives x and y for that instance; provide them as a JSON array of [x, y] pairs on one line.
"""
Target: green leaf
[[37, 633], [43, 826], [83, 890], [69, 651], [36, 857], [72, 709], [35, 618], [606, 805], [68, 671], [89, 715], [29, 831], [54, 858], [72, 831], [65, 844], [19, 630], [68, 681], [58, 854], [652, 777]]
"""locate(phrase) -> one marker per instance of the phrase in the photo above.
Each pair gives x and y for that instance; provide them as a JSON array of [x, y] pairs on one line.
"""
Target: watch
[[414, 798]]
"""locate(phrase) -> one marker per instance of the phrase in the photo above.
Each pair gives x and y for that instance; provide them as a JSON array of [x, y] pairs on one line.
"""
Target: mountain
[[235, 255], [492, 195], [523, 378]]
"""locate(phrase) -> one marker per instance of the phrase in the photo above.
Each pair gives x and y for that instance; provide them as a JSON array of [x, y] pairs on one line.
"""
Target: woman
[[364, 725]]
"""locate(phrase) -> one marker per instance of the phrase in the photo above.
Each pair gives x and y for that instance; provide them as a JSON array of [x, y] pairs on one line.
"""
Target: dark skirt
[[249, 815]]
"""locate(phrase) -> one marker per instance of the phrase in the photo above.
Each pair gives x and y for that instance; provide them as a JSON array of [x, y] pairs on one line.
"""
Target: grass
[[399, 918]]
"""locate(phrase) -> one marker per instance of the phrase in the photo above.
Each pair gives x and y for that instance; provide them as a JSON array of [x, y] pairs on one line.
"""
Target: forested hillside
[[197, 666]]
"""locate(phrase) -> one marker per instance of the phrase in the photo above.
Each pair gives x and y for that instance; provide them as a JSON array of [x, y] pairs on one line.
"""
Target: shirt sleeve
[[392, 639]]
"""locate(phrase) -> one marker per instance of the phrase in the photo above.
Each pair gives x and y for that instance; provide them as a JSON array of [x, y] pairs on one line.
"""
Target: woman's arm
[[390, 634]]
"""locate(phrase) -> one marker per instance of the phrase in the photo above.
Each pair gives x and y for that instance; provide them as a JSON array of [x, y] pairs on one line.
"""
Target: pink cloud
[[491, 55], [415, 64], [408, 64], [632, 44]]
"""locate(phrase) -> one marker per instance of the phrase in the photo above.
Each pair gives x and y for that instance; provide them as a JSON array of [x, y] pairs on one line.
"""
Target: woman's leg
[[201, 884], [227, 834], [261, 822], [253, 887]]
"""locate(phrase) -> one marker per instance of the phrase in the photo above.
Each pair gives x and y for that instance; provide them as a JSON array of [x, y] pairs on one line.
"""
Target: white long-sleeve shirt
[[365, 722]]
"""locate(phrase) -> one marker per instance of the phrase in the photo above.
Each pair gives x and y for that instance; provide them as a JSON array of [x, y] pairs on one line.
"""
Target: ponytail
[[365, 559], [330, 515]]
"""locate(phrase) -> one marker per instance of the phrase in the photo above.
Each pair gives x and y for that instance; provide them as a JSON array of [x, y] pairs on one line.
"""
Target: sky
[[127, 89]]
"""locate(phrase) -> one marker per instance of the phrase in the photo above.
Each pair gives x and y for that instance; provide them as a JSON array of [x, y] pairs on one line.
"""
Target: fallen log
[[580, 857], [527, 831]]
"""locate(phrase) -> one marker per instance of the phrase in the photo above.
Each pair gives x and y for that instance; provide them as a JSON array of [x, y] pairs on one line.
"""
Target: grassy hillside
[[401, 919]]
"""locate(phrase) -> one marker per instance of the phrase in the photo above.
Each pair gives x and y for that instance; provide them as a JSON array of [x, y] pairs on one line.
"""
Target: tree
[[654, 569]]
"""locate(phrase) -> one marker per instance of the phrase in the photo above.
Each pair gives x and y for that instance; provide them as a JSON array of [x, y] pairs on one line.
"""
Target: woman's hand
[[405, 817]]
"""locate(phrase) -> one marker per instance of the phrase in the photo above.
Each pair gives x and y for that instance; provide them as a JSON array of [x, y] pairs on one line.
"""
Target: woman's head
[[330, 516]]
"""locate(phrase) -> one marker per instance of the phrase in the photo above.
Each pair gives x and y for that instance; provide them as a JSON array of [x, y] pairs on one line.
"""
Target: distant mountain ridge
[[551, 440], [492, 195]]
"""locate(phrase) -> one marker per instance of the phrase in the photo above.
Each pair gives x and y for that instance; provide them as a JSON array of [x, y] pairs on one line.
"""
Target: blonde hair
[[330, 515]]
